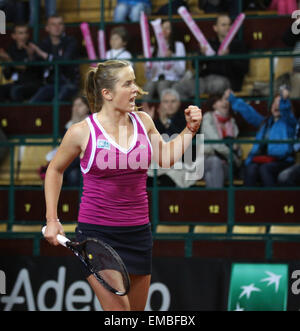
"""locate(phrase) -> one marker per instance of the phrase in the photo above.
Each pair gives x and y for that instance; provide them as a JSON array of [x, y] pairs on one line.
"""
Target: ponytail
[[90, 90]]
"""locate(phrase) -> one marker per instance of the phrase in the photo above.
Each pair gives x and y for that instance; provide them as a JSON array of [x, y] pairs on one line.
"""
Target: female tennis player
[[115, 145]]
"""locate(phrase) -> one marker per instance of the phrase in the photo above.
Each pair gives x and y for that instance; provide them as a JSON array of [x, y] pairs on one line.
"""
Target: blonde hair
[[103, 76]]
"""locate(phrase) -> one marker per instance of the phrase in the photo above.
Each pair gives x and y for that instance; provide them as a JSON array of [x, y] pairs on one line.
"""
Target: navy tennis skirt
[[132, 243]]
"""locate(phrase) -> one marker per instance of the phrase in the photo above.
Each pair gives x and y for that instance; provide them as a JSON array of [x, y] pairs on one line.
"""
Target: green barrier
[[258, 287]]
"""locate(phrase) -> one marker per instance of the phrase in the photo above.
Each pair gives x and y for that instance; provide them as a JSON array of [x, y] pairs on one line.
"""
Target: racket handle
[[61, 239]]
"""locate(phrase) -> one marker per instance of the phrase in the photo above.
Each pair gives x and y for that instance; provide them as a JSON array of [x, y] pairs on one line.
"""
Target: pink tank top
[[114, 179]]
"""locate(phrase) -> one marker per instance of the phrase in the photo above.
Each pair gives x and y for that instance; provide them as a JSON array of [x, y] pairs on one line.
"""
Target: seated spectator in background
[[50, 9], [131, 9], [165, 74], [15, 11], [266, 160], [170, 121], [57, 46], [26, 80], [217, 76], [118, 41], [219, 124], [175, 4], [72, 175], [293, 40], [217, 6], [291, 175]]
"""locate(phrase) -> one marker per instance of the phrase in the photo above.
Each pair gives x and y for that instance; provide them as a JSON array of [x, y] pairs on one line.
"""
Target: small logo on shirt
[[103, 144], [142, 146]]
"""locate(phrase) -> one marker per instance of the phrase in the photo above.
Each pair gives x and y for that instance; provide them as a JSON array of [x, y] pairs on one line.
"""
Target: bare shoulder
[[146, 119], [78, 133]]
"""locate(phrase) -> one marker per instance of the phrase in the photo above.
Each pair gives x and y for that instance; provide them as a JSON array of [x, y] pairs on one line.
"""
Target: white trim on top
[[106, 135], [145, 131], [91, 159]]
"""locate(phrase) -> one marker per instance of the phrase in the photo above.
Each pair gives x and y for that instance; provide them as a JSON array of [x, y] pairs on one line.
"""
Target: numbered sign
[[193, 206], [30, 205], [267, 206]]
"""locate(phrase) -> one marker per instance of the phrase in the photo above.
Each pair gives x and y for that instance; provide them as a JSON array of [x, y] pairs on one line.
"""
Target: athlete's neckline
[[112, 141]]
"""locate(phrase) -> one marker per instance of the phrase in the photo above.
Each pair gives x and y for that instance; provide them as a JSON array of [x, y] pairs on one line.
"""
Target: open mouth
[[132, 101]]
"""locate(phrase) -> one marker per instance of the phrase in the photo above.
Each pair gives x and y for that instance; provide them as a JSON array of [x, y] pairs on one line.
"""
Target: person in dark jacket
[[26, 80], [266, 160], [57, 46]]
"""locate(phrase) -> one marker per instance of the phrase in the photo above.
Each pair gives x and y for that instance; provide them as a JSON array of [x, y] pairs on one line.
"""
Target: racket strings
[[106, 265]]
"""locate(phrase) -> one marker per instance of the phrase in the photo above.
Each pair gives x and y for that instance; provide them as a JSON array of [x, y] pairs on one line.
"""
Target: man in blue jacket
[[266, 160]]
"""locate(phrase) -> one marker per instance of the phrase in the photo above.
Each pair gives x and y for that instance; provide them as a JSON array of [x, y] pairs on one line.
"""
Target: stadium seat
[[210, 229], [85, 11], [252, 229], [172, 229], [33, 158], [68, 228], [3, 227], [285, 229], [259, 71], [26, 228], [283, 66], [246, 148], [5, 167]]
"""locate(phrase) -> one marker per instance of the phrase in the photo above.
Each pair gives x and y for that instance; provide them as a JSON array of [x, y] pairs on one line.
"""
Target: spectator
[[50, 9], [164, 74], [217, 76], [72, 175], [266, 160], [57, 46], [175, 4], [170, 121], [131, 9], [219, 124], [291, 175], [15, 11], [118, 41], [26, 79], [217, 6]]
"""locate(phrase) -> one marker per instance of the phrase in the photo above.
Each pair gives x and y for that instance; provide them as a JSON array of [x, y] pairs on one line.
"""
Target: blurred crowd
[[171, 82]]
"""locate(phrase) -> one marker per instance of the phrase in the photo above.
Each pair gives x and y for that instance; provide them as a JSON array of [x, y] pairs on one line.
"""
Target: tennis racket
[[102, 261]]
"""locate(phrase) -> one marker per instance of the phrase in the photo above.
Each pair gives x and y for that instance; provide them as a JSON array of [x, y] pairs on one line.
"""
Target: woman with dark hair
[[266, 160], [164, 74]]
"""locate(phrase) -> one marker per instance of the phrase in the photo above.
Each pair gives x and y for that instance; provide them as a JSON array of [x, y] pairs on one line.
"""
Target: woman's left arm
[[166, 154]]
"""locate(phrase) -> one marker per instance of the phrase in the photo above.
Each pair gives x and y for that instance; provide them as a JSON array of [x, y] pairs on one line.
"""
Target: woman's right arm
[[70, 148]]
